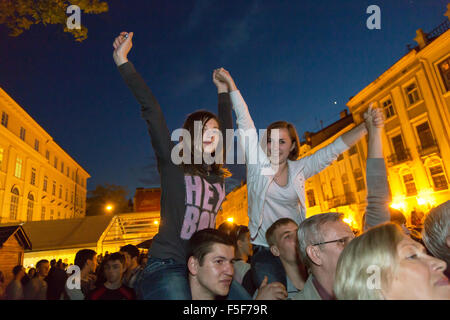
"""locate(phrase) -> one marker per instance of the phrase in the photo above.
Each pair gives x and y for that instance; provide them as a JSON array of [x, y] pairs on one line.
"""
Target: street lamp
[[109, 208]]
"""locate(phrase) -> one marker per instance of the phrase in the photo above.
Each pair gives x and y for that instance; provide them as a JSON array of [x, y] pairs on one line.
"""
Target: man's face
[[286, 242], [43, 269], [216, 272], [113, 271], [92, 263], [127, 260], [330, 252]]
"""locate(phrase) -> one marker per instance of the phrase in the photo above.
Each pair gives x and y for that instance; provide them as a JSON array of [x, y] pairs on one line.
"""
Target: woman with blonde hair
[[385, 264]]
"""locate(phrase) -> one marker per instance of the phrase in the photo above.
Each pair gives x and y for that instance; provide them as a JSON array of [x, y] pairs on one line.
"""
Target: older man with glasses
[[322, 237]]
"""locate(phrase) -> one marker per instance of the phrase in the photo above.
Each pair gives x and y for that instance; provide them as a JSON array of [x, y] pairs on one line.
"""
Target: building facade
[[38, 179]]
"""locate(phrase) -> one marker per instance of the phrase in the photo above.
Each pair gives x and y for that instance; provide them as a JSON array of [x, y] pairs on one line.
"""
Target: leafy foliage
[[20, 15], [108, 194]]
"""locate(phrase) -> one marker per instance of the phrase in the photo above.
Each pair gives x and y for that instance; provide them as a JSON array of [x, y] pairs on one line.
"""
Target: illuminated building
[[38, 179]]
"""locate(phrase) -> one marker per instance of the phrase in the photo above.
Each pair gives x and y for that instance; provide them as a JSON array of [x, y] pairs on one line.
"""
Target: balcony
[[430, 148], [342, 200], [398, 157]]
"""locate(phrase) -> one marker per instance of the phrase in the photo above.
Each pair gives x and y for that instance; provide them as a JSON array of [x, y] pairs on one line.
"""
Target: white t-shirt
[[281, 202]]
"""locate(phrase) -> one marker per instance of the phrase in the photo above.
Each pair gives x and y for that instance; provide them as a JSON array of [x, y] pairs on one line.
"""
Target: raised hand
[[224, 76], [122, 45], [271, 291], [222, 86], [373, 118]]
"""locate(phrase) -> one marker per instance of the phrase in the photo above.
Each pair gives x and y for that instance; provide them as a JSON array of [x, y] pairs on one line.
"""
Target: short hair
[[309, 232], [114, 257], [376, 247], [38, 264], [17, 269], [132, 250], [228, 228], [397, 216], [202, 241], [436, 230], [83, 256], [270, 233]]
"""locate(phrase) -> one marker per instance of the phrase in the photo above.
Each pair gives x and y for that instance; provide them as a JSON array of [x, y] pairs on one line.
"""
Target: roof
[[7, 232], [67, 233]]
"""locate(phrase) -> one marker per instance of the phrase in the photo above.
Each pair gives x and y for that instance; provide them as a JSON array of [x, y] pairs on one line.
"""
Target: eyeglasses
[[343, 241]]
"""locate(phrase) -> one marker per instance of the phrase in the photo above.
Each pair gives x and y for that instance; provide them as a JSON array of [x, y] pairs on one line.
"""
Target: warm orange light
[[230, 220], [348, 221], [109, 208], [156, 222]]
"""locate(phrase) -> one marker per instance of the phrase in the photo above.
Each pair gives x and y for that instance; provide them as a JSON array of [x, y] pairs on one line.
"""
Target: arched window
[[14, 207], [30, 207], [408, 182]]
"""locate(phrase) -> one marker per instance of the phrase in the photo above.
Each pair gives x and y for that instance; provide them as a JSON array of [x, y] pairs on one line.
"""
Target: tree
[[20, 15], [101, 196]]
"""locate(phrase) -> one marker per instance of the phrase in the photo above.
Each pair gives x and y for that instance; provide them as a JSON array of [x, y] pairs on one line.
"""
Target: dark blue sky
[[290, 59]]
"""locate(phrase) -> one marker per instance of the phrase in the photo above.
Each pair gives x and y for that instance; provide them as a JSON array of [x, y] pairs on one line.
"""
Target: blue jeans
[[264, 263], [163, 279]]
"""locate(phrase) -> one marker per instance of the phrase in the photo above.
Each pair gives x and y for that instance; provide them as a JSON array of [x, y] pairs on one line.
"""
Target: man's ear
[[314, 254], [274, 250], [193, 265]]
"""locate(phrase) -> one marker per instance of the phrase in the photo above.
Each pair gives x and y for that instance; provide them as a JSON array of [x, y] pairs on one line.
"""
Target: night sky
[[292, 60]]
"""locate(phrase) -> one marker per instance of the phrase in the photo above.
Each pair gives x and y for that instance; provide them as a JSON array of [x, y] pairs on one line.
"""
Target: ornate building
[[38, 179]]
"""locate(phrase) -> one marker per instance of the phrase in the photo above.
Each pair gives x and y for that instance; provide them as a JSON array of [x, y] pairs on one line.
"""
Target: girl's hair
[[367, 264], [295, 153], [201, 169]]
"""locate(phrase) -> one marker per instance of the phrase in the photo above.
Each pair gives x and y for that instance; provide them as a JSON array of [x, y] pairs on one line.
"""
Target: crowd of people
[[281, 254], [109, 277]]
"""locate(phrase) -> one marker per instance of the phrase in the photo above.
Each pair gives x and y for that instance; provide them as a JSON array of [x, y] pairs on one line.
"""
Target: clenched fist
[[223, 76], [122, 45]]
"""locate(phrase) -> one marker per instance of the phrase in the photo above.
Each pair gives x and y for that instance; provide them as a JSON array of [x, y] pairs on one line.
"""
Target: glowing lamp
[[230, 220]]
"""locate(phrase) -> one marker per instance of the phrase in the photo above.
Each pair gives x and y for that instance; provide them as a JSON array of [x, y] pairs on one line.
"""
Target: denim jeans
[[163, 279], [264, 263]]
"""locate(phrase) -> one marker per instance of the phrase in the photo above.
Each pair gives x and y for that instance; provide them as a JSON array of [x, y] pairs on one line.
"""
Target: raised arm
[[378, 195], [150, 108], [224, 109], [247, 134]]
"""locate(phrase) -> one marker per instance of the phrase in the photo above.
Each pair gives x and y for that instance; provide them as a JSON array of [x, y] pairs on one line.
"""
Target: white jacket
[[258, 176]]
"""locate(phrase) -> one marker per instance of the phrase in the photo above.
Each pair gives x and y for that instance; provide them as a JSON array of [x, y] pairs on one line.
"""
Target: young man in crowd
[[282, 239], [113, 289], [210, 266], [14, 290], [132, 267], [86, 260], [36, 288]]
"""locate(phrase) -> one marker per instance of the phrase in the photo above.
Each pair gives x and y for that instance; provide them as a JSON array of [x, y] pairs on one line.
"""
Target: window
[[47, 154], [45, 184], [67, 171], [43, 213], [399, 148], [5, 119], [311, 198], [388, 108], [410, 185], [60, 191], [36, 145], [438, 177], [425, 136], [71, 198], [67, 194], [413, 93], [359, 179], [1, 157], [55, 163], [62, 167], [54, 188], [51, 214], [18, 171], [22, 133], [59, 215], [13, 209], [30, 207], [33, 176], [444, 68]]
